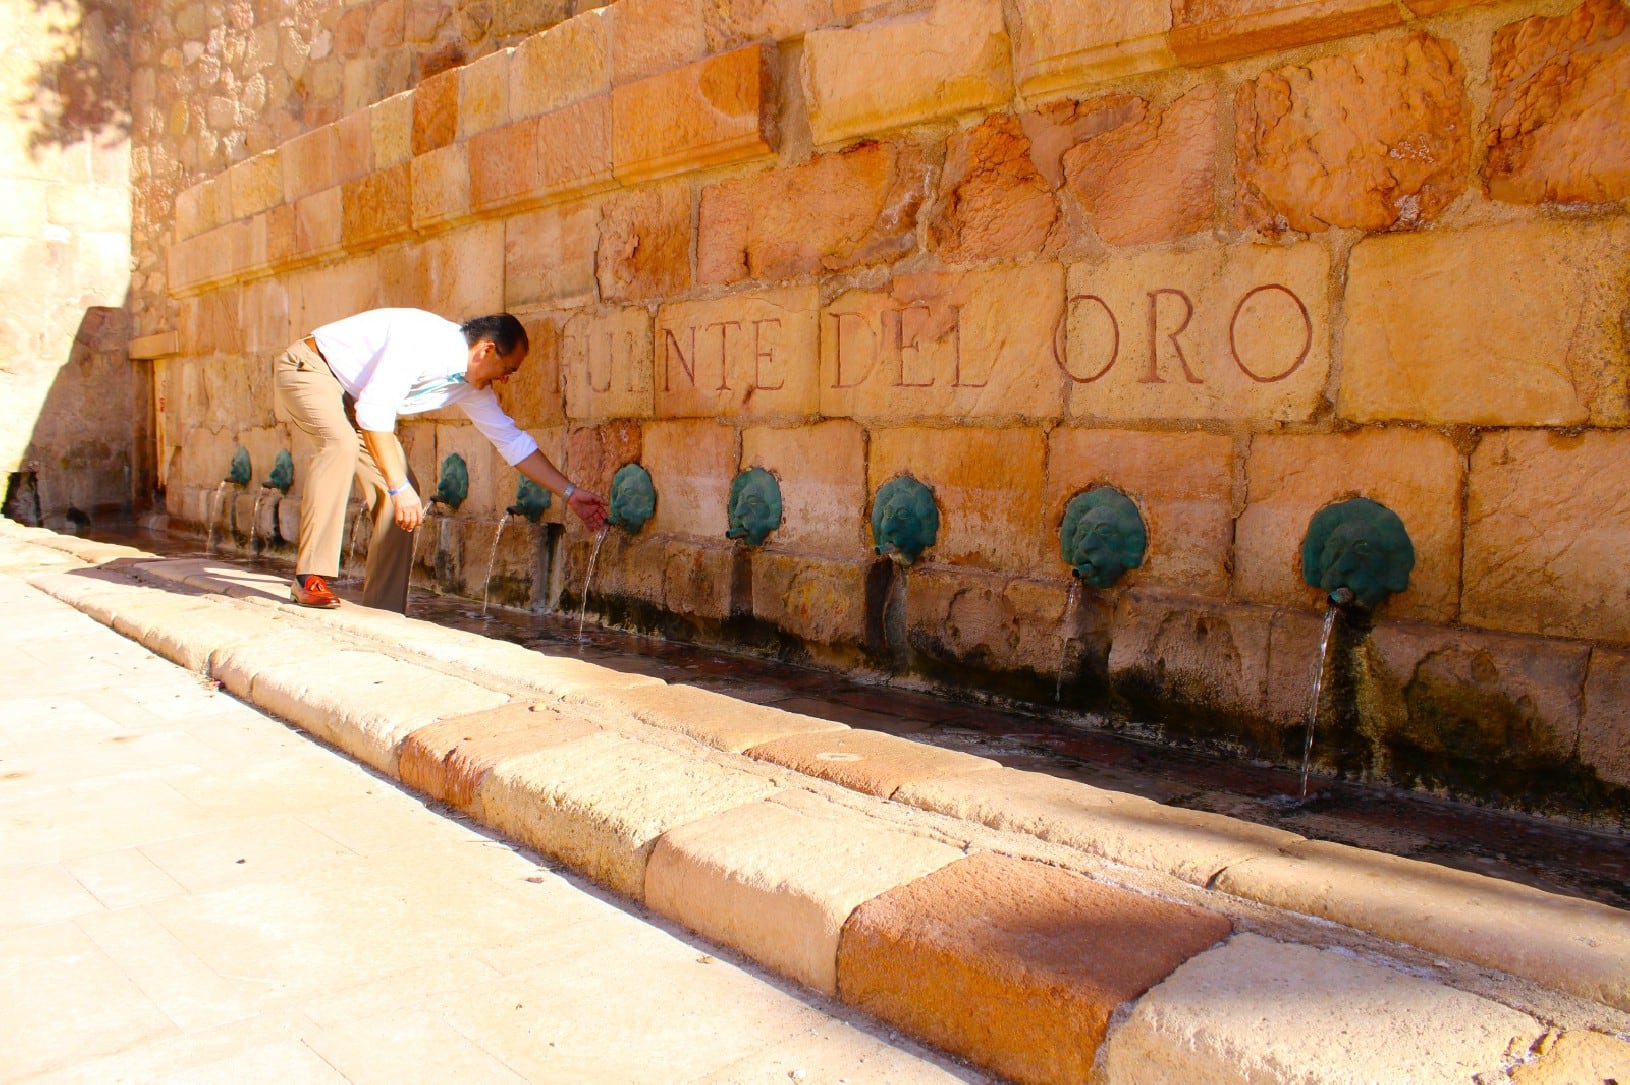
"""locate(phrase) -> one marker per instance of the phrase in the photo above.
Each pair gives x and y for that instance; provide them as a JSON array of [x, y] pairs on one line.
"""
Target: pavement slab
[[448, 760], [866, 761]]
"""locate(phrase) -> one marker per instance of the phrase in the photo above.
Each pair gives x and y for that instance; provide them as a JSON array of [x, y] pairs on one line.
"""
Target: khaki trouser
[[308, 392]]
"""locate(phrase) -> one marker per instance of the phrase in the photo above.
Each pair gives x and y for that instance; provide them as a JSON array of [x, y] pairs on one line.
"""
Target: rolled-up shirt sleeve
[[481, 407]]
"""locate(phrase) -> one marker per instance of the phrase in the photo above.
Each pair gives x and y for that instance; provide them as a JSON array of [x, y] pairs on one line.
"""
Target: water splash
[[594, 556], [214, 514], [1330, 616], [1064, 641], [492, 559]]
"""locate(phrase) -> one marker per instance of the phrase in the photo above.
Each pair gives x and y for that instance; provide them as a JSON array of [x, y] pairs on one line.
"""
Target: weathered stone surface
[[533, 395], [691, 465], [319, 224], [1152, 177], [435, 112], [777, 880], [448, 760], [1556, 118], [986, 482], [256, 183], [1547, 524], [1566, 943], [904, 70], [1543, 332], [1604, 727], [1576, 1056], [378, 208], [716, 111], [1335, 1018], [329, 293], [441, 185], [1065, 44], [353, 147], [868, 761], [600, 803], [967, 619], [1377, 139], [490, 478], [944, 345], [855, 207], [699, 578], [819, 601], [202, 207], [993, 200], [1014, 965], [1216, 333], [568, 61], [717, 720], [308, 162], [1208, 31], [1182, 484], [594, 453], [821, 469], [483, 93], [574, 149], [645, 244], [651, 36], [549, 256], [504, 167], [606, 365], [749, 355], [460, 273], [1415, 473], [729, 23], [390, 124]]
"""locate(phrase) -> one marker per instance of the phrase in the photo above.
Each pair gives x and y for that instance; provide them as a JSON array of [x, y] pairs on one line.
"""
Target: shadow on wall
[[81, 91]]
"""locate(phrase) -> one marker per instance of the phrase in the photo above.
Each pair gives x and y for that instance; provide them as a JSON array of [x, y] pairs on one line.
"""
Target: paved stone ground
[[192, 891]]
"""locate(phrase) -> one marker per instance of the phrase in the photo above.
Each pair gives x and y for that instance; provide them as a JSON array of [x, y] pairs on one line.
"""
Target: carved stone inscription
[[605, 364], [975, 345], [746, 356], [1225, 334]]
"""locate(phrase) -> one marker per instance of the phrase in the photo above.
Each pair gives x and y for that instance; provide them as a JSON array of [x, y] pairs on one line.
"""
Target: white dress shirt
[[407, 361]]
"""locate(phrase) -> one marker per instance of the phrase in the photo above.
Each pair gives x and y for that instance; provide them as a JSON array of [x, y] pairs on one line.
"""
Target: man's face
[[487, 367]]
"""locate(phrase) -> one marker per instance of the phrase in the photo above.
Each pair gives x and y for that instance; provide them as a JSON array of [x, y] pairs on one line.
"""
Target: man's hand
[[409, 509], [590, 508]]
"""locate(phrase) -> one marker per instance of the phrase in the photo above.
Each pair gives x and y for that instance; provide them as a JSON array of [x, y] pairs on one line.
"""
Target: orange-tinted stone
[[745, 355], [868, 761], [441, 185], [574, 148], [594, 453], [532, 396], [1076, 43], [716, 111], [651, 36], [645, 244], [1604, 727], [308, 163], [435, 112], [1149, 179], [729, 23], [605, 361], [821, 469], [816, 600], [837, 211], [994, 202], [504, 166], [447, 760], [549, 256], [378, 208], [1209, 31], [1376, 139], [1557, 115], [691, 465], [568, 61], [1013, 964]]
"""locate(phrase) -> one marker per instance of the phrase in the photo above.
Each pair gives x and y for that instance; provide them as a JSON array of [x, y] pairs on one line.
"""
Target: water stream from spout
[[1064, 641], [214, 514], [254, 517], [492, 559], [1330, 616], [419, 533], [594, 556]]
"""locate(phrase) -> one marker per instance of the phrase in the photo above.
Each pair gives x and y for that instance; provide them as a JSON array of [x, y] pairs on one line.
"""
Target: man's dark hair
[[503, 329]]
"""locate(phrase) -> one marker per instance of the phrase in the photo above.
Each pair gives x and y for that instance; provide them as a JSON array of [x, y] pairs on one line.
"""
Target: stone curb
[[941, 939]]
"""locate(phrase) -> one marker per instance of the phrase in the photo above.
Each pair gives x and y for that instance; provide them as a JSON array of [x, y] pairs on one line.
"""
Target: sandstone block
[[532, 396], [281, 239], [574, 148], [448, 760], [1375, 140], [1065, 44], [308, 163], [441, 186], [320, 295], [1604, 728], [319, 224], [993, 201], [651, 36], [1150, 179], [256, 183], [692, 465], [1214, 333], [353, 146], [606, 366], [483, 93], [594, 453], [504, 167], [435, 111], [730, 23], [1210, 31], [699, 578], [1556, 117], [390, 128], [847, 209], [1561, 942], [907, 69], [492, 481], [716, 720], [202, 207], [752, 355], [1546, 522], [600, 803], [986, 482], [549, 256], [715, 111], [1182, 484], [816, 600], [821, 469], [977, 345], [1336, 1018], [968, 619], [1014, 965], [265, 319], [867, 761], [1415, 473], [778, 882], [377, 209], [1543, 331], [1577, 1056], [83, 208], [460, 272], [568, 61], [645, 244]]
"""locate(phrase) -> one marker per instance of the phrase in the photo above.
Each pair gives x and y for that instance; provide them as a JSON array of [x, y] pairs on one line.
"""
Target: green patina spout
[[1102, 536], [1357, 551], [282, 476], [454, 484], [633, 498], [755, 506], [531, 500], [905, 520], [240, 472]]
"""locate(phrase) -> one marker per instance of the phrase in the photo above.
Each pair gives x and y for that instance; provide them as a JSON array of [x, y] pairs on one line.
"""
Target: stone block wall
[[1239, 260]]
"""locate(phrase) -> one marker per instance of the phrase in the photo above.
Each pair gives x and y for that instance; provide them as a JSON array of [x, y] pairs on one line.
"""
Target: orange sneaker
[[314, 593]]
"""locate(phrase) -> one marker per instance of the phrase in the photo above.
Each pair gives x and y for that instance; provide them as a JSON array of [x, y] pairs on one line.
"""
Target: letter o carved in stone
[[1307, 334]]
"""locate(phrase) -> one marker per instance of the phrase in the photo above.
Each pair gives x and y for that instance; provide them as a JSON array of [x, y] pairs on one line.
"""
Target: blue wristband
[[571, 489], [399, 489]]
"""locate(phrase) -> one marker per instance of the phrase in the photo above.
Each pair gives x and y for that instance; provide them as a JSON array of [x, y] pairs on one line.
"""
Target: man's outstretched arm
[[590, 507]]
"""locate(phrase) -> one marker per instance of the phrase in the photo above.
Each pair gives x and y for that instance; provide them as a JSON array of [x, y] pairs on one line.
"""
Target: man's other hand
[[409, 509]]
